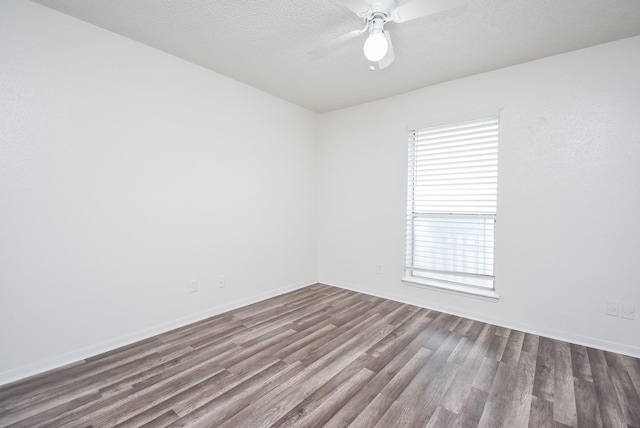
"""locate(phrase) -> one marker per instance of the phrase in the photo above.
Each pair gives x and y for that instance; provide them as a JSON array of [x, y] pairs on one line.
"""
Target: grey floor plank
[[371, 414], [442, 418], [544, 382], [541, 415], [564, 400], [587, 409], [580, 363], [518, 406], [627, 395], [472, 410], [499, 399], [323, 403]]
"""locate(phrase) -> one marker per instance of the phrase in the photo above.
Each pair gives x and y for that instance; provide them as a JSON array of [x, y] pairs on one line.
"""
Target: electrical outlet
[[193, 286], [628, 311], [222, 281], [613, 309], [379, 268]]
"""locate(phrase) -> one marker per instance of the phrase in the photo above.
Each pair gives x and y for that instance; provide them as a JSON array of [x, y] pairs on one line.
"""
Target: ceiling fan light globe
[[375, 47]]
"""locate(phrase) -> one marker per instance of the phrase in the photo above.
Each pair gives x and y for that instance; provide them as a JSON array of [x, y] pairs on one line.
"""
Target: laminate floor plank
[[627, 395], [610, 409], [260, 363], [564, 401], [544, 381], [60, 379], [322, 356], [307, 338], [406, 312], [480, 347], [215, 337], [58, 396], [463, 326], [498, 345], [596, 356], [389, 393], [518, 406], [112, 409], [442, 418], [485, 374], [319, 407], [389, 346], [632, 366], [472, 410], [421, 397], [280, 315], [179, 365], [513, 347], [184, 399], [587, 409], [191, 332], [541, 415], [497, 404], [384, 375], [530, 343], [474, 330], [45, 414], [580, 363], [162, 421], [459, 391], [231, 398], [460, 352]]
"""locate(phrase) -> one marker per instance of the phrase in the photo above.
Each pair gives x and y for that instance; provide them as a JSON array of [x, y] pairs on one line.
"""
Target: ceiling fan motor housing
[[376, 25], [381, 9]]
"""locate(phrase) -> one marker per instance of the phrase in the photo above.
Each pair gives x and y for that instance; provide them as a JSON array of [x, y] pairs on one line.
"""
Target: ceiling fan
[[376, 13]]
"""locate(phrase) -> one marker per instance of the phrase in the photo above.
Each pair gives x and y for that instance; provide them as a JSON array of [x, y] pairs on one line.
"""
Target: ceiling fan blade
[[359, 7], [390, 56], [335, 43], [420, 8]]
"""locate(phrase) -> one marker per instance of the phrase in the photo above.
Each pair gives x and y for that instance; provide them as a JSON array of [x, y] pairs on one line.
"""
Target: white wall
[[568, 231], [125, 173]]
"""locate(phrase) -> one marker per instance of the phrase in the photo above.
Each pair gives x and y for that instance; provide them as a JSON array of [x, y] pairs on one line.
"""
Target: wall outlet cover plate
[[628, 311], [613, 309]]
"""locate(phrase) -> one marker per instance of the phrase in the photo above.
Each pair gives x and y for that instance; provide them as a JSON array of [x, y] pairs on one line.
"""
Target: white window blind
[[452, 190]]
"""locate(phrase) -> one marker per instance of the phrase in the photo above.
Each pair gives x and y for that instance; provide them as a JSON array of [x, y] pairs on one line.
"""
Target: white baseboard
[[77, 355], [566, 336]]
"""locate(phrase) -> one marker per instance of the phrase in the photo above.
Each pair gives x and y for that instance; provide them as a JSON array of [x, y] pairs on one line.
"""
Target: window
[[451, 215]]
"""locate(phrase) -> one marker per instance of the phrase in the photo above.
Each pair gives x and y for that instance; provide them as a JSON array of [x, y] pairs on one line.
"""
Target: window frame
[[442, 284]]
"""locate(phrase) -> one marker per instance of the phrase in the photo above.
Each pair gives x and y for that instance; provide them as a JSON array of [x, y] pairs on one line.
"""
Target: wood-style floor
[[323, 356]]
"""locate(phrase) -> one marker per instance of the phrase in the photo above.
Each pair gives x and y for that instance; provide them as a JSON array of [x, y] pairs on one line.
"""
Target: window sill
[[461, 290]]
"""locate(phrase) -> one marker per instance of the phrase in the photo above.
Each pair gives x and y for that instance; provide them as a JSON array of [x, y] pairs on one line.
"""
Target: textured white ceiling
[[265, 43]]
